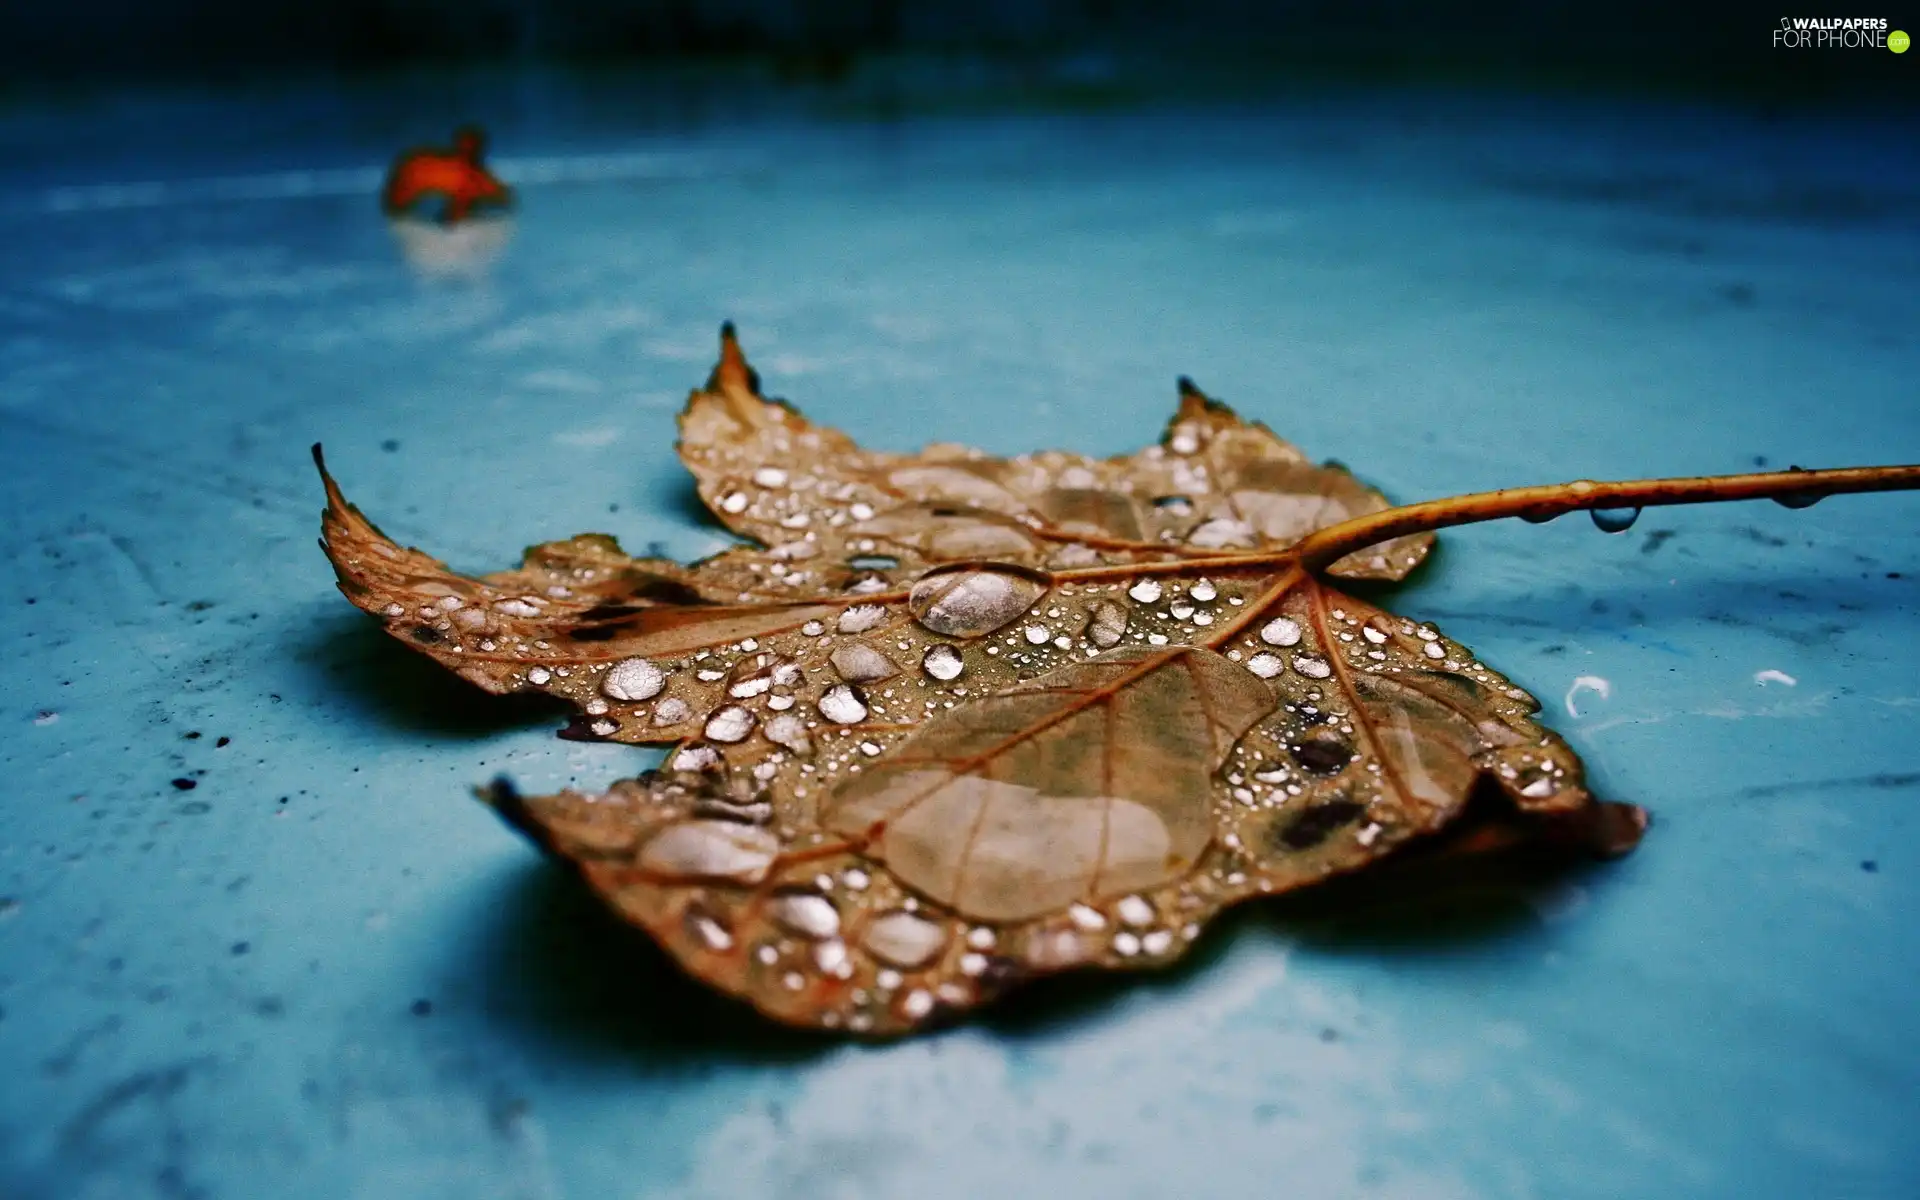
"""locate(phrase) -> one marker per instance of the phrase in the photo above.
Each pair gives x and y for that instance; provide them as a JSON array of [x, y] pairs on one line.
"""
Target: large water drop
[[974, 601], [1614, 520]]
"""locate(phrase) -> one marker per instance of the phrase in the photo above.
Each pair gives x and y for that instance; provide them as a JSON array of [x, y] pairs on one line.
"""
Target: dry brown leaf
[[960, 721]]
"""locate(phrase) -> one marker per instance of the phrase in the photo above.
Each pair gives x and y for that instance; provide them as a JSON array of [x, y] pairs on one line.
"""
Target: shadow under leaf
[[564, 969], [358, 666], [568, 969]]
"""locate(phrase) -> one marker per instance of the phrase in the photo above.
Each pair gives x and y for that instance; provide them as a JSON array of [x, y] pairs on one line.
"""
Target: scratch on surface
[[1885, 781]]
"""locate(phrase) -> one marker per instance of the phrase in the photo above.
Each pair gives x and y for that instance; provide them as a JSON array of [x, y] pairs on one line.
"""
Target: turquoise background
[[326, 972]]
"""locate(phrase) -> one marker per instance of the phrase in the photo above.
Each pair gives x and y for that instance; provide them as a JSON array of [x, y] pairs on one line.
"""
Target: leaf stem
[[1545, 502]]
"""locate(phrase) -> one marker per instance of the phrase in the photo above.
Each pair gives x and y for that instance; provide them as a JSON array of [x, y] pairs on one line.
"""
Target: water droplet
[[1147, 591], [843, 705], [1373, 633], [789, 731], [808, 914], [671, 711], [1434, 650], [1311, 667], [1281, 631], [1158, 942], [705, 849], [770, 477], [1203, 591], [858, 662], [1220, 533], [733, 502], [696, 758], [832, 959], [1135, 911], [539, 676], [1806, 498], [1614, 520], [1539, 518], [1541, 786], [1086, 918], [633, 679], [1037, 635], [861, 617], [708, 930], [1179, 610], [1107, 624], [1266, 666], [730, 724], [974, 601], [1178, 506], [916, 1004], [942, 662], [1125, 944], [905, 940]]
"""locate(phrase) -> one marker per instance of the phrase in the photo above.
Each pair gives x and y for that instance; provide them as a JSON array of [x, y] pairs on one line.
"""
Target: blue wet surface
[[325, 972]]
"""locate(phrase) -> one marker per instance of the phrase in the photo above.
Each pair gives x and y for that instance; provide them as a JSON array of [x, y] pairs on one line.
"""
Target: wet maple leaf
[[957, 721]]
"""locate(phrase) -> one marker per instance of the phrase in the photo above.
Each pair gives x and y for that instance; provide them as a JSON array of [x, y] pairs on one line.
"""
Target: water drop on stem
[[1614, 520]]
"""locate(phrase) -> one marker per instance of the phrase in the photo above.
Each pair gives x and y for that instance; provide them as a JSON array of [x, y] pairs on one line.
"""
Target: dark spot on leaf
[[1323, 754], [595, 633], [427, 634], [1317, 824]]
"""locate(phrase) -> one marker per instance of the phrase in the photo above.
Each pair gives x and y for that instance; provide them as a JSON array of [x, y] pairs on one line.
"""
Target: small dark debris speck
[[185, 784], [1893, 575], [390, 445], [422, 1007], [1329, 1035], [219, 742], [193, 735], [1870, 867], [239, 948]]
